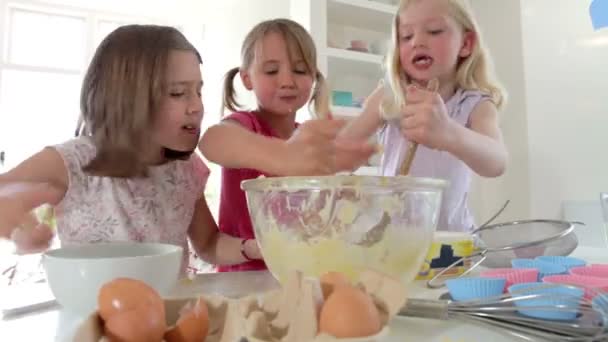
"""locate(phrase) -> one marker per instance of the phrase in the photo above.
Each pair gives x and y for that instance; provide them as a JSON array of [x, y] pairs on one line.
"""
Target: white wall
[[187, 14], [167, 10], [553, 65], [501, 32], [225, 34], [158, 8], [567, 84]]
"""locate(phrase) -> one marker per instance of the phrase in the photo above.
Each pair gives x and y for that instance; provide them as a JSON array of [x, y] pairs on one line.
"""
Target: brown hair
[[121, 92], [299, 42], [474, 72]]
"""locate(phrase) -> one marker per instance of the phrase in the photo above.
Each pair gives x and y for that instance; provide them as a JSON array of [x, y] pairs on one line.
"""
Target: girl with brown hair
[[130, 174]]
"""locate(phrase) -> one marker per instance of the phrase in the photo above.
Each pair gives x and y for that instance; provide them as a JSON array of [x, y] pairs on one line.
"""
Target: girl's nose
[[195, 105], [418, 40], [286, 79]]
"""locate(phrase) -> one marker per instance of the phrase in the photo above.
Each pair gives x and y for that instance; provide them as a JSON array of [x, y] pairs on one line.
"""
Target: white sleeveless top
[[158, 208], [455, 214]]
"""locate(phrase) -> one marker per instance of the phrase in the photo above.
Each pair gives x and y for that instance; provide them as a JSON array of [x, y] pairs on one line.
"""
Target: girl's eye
[[406, 38], [301, 71], [176, 94], [435, 32]]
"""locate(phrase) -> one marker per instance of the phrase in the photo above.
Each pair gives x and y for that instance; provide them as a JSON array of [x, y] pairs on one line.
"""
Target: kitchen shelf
[[365, 14], [354, 56], [345, 62], [345, 112], [334, 25]]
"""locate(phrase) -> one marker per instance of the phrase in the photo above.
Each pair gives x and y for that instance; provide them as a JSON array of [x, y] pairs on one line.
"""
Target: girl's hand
[[18, 199], [351, 154], [314, 150], [425, 119], [252, 250], [32, 239]]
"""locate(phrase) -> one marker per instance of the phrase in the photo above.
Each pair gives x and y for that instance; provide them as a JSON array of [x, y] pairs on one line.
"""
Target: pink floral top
[[158, 208]]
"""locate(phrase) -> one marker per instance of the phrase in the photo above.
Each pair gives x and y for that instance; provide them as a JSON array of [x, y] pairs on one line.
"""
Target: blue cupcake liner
[[544, 268], [567, 262], [462, 289], [600, 303], [551, 297]]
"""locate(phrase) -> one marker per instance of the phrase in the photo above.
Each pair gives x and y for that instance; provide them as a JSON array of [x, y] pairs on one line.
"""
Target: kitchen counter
[[56, 324]]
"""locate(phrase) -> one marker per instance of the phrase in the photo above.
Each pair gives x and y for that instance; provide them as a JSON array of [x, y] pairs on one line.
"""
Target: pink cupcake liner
[[512, 275], [592, 285], [590, 271]]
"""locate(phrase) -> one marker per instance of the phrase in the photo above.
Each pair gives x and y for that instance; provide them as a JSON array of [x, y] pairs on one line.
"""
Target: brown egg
[[141, 324], [349, 312], [192, 325], [124, 294], [330, 280]]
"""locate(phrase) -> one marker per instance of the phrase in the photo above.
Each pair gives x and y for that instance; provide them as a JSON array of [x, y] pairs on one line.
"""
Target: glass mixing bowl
[[344, 223]]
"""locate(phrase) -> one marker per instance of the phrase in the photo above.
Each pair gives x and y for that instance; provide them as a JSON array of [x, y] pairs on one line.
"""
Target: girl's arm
[[311, 150], [481, 147], [368, 122], [231, 145], [213, 246], [41, 179]]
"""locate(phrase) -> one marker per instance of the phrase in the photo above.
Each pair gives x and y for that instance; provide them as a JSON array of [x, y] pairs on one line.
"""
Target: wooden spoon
[[376, 233], [404, 170]]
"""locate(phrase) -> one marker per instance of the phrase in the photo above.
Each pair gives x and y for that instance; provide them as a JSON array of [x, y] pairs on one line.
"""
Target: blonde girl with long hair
[[456, 125]]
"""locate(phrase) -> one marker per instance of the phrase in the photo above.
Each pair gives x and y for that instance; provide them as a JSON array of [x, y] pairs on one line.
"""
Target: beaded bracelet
[[243, 252]]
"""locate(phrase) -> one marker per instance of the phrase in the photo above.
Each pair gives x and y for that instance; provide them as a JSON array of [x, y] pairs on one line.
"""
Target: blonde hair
[[473, 72], [121, 92], [299, 43]]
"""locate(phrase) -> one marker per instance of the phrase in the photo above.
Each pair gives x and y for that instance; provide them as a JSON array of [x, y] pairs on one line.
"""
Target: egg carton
[[284, 315]]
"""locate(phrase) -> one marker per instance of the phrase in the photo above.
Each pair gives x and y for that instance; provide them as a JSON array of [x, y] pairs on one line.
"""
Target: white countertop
[[55, 324]]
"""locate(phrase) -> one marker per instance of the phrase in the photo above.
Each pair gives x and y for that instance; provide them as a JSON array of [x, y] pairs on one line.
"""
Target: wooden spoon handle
[[404, 170]]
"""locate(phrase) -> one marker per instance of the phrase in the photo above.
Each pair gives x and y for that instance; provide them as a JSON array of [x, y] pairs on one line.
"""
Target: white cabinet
[[340, 28]]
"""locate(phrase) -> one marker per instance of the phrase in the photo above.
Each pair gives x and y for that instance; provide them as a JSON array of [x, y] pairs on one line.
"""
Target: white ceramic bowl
[[76, 273]]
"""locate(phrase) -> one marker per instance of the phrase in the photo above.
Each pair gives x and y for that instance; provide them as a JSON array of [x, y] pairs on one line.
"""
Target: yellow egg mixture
[[393, 255]]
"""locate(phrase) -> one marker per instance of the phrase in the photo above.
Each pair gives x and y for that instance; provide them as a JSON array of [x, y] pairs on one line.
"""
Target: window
[[38, 108], [46, 51], [39, 39], [40, 72]]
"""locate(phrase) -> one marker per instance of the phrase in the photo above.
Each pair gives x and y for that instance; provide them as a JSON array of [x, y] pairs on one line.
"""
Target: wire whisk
[[503, 312]]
